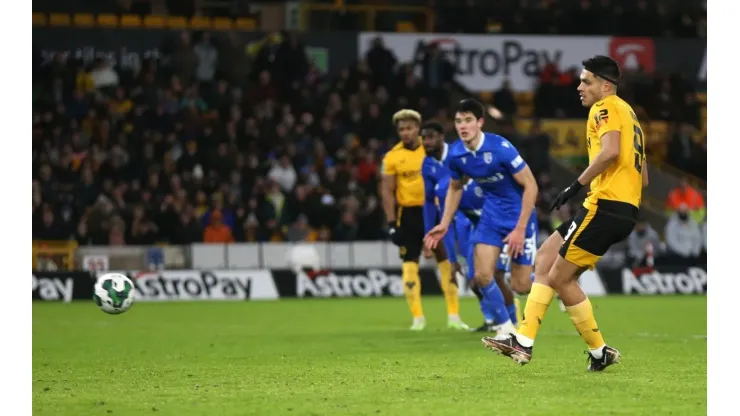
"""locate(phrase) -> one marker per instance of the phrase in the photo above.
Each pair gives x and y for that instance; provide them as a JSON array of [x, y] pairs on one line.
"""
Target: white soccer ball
[[114, 293]]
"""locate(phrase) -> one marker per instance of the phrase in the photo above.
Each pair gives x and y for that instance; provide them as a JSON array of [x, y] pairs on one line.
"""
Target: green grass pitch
[[356, 357]]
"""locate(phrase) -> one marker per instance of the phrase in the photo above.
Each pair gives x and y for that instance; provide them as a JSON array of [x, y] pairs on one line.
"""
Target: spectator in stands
[[382, 62], [643, 245], [283, 173], [683, 237], [504, 100], [217, 231], [682, 150], [688, 196], [207, 56]]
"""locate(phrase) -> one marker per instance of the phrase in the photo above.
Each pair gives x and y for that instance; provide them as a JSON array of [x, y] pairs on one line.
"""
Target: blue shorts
[[492, 234], [464, 229]]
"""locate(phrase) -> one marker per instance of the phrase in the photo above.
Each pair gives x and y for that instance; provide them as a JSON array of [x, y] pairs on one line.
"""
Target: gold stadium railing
[[127, 21], [424, 21], [53, 255]]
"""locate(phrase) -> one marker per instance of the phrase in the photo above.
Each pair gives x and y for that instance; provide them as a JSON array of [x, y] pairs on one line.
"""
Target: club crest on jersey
[[487, 157]]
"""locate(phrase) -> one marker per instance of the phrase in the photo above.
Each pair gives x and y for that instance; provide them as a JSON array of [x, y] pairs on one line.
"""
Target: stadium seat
[[39, 19], [59, 19], [154, 22], [176, 22], [83, 19], [131, 21], [405, 26], [223, 23], [200, 23], [107, 20], [246, 23], [486, 97]]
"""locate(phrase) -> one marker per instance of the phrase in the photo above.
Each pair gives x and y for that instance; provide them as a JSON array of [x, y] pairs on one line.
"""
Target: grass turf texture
[[356, 357]]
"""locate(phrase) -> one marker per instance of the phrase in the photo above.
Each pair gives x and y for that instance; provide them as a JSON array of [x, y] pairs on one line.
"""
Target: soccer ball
[[114, 293]]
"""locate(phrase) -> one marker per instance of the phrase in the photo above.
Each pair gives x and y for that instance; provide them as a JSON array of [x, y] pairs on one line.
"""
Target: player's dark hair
[[434, 126], [470, 105], [603, 67]]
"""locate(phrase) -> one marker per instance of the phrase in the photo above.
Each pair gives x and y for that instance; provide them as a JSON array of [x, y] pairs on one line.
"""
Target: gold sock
[[534, 311], [448, 281], [582, 316], [412, 287]]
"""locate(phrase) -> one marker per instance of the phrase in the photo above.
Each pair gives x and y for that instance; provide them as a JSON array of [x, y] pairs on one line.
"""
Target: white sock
[[598, 352], [524, 341], [507, 328], [454, 318]]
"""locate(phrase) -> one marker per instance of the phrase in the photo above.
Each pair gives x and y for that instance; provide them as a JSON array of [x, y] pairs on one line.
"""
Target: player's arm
[[454, 195], [388, 189], [449, 242], [526, 179], [645, 180], [608, 154], [430, 208], [608, 130]]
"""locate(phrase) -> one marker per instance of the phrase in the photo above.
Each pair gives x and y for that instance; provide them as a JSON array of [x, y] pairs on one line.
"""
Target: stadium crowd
[[218, 146]]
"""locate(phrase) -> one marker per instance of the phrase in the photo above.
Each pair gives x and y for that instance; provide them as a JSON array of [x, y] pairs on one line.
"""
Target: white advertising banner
[[483, 62]]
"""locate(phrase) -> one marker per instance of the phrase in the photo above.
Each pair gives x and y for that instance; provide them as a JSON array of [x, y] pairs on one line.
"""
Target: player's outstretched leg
[[564, 278], [519, 346]]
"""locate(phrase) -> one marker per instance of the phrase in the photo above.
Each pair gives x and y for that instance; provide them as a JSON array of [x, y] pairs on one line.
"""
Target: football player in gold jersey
[[617, 172], [402, 191]]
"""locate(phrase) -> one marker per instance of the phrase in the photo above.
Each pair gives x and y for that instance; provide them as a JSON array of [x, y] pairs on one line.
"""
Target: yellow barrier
[[54, 254], [370, 12], [127, 21], [568, 136]]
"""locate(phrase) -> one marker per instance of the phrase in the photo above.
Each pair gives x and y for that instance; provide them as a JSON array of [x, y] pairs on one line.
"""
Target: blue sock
[[495, 302], [486, 310], [512, 313]]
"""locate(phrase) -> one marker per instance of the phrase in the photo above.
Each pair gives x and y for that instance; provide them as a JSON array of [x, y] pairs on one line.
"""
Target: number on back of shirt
[[572, 228]]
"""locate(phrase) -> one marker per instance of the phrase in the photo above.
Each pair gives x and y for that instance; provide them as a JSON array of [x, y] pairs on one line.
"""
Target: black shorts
[[590, 232], [410, 222]]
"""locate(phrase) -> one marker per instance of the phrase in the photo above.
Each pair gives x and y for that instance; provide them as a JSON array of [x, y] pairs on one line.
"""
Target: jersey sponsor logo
[[691, 281], [516, 162], [491, 179], [633, 53], [370, 283], [487, 157]]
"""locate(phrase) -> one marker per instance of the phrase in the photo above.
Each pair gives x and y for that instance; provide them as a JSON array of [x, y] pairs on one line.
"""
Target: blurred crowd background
[[219, 141]]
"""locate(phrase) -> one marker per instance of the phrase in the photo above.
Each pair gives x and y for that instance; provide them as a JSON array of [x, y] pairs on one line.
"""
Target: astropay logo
[[484, 62], [633, 53], [349, 283]]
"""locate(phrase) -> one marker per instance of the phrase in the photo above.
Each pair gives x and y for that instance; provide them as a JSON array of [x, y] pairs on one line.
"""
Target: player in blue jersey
[[436, 180], [508, 217]]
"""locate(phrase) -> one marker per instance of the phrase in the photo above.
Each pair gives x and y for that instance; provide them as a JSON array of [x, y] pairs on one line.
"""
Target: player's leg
[[450, 289], [448, 280], [592, 237], [519, 347], [503, 266], [485, 260], [410, 252]]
